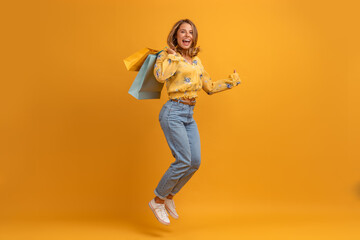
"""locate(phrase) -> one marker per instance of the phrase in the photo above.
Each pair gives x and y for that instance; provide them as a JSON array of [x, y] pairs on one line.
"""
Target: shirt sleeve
[[165, 65], [211, 87]]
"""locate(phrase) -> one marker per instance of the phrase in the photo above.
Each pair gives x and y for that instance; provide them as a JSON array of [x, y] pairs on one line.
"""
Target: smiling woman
[[181, 69], [184, 36]]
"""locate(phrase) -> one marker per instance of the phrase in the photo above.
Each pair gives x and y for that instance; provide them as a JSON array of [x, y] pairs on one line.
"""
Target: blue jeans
[[182, 136]]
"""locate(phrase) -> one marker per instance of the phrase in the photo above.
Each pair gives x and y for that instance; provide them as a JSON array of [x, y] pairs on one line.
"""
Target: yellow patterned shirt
[[184, 79]]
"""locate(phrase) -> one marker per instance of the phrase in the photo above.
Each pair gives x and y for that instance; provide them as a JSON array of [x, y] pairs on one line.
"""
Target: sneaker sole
[[161, 221], [171, 213]]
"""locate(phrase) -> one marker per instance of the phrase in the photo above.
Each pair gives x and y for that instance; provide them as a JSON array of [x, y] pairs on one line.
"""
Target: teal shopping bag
[[145, 86]]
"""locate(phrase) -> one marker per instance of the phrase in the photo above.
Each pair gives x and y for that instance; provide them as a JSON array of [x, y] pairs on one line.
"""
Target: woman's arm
[[211, 87], [166, 65]]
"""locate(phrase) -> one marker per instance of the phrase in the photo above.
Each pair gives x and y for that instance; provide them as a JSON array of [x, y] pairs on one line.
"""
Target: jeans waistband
[[179, 105], [192, 103]]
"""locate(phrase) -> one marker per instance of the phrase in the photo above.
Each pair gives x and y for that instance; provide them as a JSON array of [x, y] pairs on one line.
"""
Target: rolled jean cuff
[[159, 196]]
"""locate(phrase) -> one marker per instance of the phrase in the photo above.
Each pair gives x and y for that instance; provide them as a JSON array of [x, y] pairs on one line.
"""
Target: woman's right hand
[[171, 51]]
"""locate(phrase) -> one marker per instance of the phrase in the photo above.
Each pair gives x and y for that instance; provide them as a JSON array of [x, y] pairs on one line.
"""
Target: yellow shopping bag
[[136, 60]]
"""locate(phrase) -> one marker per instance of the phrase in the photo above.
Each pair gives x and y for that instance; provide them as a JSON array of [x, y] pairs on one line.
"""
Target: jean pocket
[[162, 112]]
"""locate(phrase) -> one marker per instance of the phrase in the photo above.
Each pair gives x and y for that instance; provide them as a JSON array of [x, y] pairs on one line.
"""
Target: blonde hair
[[172, 40]]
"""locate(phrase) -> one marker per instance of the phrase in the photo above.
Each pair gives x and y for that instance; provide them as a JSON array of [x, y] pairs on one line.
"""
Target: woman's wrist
[[174, 57]]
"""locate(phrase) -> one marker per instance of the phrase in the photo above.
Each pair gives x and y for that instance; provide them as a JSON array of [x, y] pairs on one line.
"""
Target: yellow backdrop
[[74, 143]]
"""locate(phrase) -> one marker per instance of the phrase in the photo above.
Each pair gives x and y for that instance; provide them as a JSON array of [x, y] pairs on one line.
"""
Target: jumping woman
[[179, 67]]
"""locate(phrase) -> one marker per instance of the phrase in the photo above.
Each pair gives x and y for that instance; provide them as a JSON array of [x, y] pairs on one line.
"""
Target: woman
[[183, 74]]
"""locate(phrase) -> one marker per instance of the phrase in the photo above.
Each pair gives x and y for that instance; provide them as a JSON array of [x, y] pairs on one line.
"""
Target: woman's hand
[[236, 78], [170, 51]]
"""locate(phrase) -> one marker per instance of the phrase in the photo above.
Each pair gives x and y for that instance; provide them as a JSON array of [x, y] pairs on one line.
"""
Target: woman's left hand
[[236, 78]]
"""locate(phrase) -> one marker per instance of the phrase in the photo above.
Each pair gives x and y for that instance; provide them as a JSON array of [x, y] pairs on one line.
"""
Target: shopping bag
[[134, 62], [145, 86]]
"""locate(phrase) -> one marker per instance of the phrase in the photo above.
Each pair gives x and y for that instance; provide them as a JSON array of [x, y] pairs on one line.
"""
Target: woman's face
[[184, 36]]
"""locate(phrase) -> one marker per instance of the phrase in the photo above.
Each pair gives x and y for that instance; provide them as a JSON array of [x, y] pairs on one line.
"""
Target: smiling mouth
[[186, 42]]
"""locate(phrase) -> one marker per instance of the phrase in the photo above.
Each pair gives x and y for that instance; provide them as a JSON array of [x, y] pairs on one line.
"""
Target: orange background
[[75, 144]]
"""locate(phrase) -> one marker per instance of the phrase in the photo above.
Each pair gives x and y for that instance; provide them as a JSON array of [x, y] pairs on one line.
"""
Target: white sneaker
[[159, 212], [170, 207]]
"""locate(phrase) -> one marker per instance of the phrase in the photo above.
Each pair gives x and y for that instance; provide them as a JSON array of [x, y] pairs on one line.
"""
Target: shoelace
[[171, 203], [162, 212]]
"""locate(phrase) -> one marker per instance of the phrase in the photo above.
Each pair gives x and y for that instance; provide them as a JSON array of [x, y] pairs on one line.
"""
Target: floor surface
[[250, 223]]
